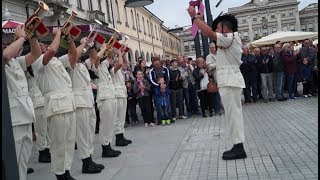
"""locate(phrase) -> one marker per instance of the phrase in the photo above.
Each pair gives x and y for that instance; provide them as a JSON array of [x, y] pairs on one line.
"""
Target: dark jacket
[[306, 73], [248, 64], [132, 97], [197, 76], [265, 68], [162, 98], [310, 53], [175, 84], [277, 63], [146, 90], [153, 77], [289, 60]]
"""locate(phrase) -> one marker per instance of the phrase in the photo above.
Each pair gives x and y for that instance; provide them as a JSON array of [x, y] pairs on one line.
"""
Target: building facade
[[148, 35], [260, 18], [309, 18]]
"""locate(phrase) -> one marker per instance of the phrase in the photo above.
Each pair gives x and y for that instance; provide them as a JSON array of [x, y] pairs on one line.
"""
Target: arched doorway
[[142, 55], [131, 59], [136, 55]]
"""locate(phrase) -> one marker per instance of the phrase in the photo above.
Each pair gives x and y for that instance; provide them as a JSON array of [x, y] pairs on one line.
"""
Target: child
[[306, 75], [162, 98], [141, 88], [132, 104]]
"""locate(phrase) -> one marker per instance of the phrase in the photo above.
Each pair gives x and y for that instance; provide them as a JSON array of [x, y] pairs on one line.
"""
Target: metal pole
[[9, 159], [197, 45]]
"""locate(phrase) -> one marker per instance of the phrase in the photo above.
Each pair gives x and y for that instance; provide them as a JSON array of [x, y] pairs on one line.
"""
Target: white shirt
[[55, 84], [81, 85], [21, 106], [34, 91], [119, 83], [229, 60], [105, 84]]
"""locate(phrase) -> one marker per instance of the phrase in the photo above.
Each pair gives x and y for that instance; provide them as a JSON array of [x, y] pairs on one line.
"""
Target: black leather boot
[[204, 113], [237, 152], [88, 167], [127, 140], [107, 151], [120, 141], [100, 166], [44, 156], [67, 176], [60, 177]]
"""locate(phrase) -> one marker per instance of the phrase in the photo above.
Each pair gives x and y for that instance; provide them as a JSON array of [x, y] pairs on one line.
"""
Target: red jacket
[[290, 62]]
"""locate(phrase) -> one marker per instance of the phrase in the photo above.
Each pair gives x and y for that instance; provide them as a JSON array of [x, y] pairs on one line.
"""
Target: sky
[[173, 12]]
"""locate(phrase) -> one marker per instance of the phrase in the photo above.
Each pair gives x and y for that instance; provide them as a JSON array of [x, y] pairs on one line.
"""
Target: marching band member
[[121, 97], [21, 106], [59, 107], [85, 113], [106, 100], [40, 124]]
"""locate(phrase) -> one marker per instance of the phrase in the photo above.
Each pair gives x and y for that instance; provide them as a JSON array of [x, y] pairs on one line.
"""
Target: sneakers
[[309, 95], [237, 152], [174, 118], [152, 125], [146, 125], [163, 122], [167, 122], [183, 117], [305, 96]]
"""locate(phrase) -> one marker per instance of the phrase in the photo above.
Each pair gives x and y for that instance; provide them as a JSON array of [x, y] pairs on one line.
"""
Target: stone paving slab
[[281, 143]]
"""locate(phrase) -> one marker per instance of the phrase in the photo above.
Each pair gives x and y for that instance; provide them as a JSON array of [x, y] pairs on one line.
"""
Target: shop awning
[[8, 27]]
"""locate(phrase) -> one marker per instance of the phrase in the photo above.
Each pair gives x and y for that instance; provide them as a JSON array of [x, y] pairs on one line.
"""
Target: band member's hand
[[192, 11], [119, 52], [84, 40], [69, 38], [20, 32], [56, 30]]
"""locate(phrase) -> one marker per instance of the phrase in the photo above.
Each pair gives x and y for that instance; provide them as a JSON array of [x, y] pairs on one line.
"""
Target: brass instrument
[[69, 28], [111, 42], [122, 47], [90, 37], [34, 25]]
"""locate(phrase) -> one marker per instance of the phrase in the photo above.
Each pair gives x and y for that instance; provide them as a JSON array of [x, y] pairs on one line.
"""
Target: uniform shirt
[[229, 60], [55, 84], [81, 86], [105, 82], [34, 91], [119, 83], [21, 106]]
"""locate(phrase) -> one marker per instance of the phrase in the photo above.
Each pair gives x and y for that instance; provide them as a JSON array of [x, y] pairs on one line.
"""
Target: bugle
[[69, 28]]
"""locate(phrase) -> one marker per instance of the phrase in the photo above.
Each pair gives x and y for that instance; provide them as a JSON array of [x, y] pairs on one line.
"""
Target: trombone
[[34, 22]]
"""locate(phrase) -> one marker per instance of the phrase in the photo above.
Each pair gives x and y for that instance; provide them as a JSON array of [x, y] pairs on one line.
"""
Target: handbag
[[212, 87]]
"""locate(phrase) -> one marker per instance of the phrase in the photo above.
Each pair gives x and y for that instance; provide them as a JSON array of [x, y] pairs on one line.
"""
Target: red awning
[[8, 27]]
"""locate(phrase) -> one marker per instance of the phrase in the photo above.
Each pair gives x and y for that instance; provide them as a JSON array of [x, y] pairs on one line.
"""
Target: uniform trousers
[[62, 133], [86, 123], [231, 100], [121, 115], [23, 143], [108, 115], [41, 129]]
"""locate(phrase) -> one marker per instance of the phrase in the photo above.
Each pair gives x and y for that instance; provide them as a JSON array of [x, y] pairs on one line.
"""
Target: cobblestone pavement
[[281, 143]]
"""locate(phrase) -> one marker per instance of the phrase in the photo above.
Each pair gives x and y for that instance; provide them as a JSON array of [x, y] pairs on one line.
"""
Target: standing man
[[56, 86], [278, 71], [229, 78], [21, 106]]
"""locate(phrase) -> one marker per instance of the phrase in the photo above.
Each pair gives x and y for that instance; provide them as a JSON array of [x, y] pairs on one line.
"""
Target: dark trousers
[[259, 86], [96, 109], [176, 97], [206, 101], [193, 105], [307, 87], [291, 85], [164, 112], [132, 111], [145, 106], [186, 98], [251, 86], [314, 87]]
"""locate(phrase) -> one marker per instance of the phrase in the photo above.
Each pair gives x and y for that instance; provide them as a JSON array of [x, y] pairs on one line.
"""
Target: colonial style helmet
[[226, 19]]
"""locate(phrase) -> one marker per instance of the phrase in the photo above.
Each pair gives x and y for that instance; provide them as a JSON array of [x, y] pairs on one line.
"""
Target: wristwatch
[[195, 17]]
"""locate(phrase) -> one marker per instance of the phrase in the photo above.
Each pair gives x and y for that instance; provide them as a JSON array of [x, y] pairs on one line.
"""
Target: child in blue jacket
[[162, 99], [306, 76]]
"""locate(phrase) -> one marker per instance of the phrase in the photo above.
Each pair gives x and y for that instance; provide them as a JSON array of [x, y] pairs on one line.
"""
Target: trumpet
[[34, 25], [122, 47], [69, 28], [91, 43], [112, 41]]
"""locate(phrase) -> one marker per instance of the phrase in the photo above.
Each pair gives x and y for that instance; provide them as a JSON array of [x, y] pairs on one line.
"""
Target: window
[[108, 10], [144, 27], [245, 34], [310, 27], [265, 32], [244, 20], [284, 28], [148, 26], [272, 16], [239, 34], [90, 5], [99, 5], [292, 27], [283, 14], [254, 19], [126, 15], [303, 28], [274, 29], [132, 18], [291, 13], [117, 12], [138, 23], [79, 4], [256, 33]]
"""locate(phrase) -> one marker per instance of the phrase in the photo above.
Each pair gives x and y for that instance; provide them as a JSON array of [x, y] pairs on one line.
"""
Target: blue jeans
[[291, 83], [193, 105], [279, 83], [163, 112], [217, 102]]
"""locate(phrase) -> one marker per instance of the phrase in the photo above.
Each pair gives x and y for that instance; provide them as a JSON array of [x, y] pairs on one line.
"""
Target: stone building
[[148, 35], [309, 18]]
